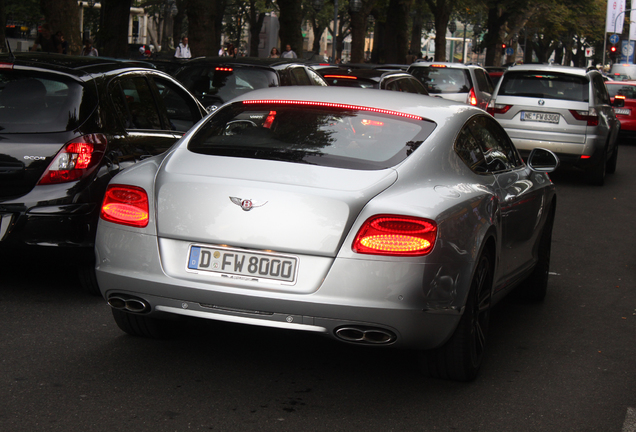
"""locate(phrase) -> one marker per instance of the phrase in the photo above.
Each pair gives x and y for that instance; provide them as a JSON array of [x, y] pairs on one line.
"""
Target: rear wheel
[[140, 325], [597, 172], [461, 357], [535, 287]]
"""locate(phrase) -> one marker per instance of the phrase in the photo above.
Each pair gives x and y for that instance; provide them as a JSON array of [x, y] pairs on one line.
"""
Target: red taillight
[[6, 65], [472, 98], [438, 65], [396, 235], [341, 77], [76, 160], [269, 120], [591, 117], [224, 69], [330, 105], [494, 108], [125, 205]]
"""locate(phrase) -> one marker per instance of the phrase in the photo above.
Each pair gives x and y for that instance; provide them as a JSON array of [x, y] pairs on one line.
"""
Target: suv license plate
[[540, 117], [623, 111], [242, 264]]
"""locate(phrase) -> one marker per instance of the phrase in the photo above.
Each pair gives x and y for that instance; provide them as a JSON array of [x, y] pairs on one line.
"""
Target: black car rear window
[[312, 134], [546, 85], [440, 80], [37, 102]]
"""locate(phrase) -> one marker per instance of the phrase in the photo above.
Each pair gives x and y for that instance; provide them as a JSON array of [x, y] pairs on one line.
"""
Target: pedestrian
[[288, 53], [274, 53], [45, 40], [88, 49], [183, 50], [61, 43]]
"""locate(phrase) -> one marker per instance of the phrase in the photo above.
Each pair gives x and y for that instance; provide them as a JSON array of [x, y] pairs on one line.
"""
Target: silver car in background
[[383, 219], [564, 109]]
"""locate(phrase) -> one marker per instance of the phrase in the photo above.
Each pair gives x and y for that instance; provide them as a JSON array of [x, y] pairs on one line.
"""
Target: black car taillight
[[77, 159]]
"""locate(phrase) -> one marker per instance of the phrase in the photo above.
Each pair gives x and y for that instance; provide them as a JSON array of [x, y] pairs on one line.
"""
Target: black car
[[373, 78], [216, 80], [67, 126]]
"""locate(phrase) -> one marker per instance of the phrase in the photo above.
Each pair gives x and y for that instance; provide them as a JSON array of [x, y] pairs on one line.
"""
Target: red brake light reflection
[[126, 205], [329, 105], [341, 77], [396, 236], [366, 122]]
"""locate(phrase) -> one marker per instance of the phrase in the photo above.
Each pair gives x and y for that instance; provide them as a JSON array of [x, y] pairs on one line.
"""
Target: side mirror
[[542, 160], [619, 101]]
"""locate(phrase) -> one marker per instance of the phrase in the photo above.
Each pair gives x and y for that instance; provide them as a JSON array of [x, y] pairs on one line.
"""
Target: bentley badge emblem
[[247, 204]]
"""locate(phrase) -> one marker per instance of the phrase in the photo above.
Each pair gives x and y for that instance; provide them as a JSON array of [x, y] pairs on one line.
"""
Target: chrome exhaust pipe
[[129, 304], [365, 335]]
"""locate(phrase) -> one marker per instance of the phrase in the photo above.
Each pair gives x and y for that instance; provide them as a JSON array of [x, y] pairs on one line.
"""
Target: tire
[[142, 326], [460, 359], [535, 287], [597, 172], [87, 278], [611, 164]]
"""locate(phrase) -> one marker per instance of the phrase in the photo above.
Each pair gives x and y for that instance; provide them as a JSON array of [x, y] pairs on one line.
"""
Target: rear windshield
[[32, 103], [629, 91], [317, 135], [440, 80], [545, 85], [226, 82], [347, 81]]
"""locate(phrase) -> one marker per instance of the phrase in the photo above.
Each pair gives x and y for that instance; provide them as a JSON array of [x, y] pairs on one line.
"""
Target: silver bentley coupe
[[372, 217]]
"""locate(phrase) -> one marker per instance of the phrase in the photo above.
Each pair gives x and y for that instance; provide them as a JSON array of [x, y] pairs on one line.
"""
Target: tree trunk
[[202, 27], [256, 24], [113, 29], [177, 26], [63, 15], [3, 24], [359, 31], [290, 20], [441, 10]]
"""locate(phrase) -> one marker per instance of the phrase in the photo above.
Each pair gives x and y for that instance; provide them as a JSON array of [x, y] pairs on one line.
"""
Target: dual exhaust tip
[[128, 304], [365, 335]]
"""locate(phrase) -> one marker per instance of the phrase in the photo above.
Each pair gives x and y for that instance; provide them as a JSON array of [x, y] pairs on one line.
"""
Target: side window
[[299, 76], [181, 109], [496, 149], [483, 81], [315, 78], [392, 85], [132, 97], [600, 90], [417, 86]]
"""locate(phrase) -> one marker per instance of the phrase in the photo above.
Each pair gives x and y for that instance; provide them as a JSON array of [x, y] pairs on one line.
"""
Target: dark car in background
[[67, 126], [455, 81], [373, 78], [216, 80]]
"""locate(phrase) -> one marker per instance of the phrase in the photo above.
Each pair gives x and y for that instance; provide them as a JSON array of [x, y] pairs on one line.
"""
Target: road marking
[[630, 421]]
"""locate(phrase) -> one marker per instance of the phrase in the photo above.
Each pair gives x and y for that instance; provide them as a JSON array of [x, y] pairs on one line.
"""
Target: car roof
[[249, 61], [72, 65], [370, 74], [436, 109], [445, 64], [551, 68]]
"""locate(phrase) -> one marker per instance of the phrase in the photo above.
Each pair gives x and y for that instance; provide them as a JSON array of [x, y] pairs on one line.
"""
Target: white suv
[[563, 109]]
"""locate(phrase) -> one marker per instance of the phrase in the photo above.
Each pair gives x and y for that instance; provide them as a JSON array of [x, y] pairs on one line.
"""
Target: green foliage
[[26, 11]]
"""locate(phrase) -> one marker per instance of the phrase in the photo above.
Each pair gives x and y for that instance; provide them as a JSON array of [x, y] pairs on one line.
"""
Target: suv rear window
[[440, 80], [317, 135], [32, 103], [547, 85], [226, 82]]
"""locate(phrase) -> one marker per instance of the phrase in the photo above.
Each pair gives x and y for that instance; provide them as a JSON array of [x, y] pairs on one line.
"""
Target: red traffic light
[[613, 49], [503, 45]]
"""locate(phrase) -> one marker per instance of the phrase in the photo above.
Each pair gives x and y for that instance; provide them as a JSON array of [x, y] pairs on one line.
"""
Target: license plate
[[243, 264], [540, 117], [623, 111]]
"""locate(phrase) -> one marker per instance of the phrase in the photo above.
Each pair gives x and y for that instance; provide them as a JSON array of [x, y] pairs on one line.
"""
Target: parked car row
[[388, 219]]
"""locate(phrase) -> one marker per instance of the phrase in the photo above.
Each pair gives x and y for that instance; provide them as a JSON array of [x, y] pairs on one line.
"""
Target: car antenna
[[11, 55]]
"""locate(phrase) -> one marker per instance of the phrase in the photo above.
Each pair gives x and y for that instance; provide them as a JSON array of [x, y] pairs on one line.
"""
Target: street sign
[[614, 38], [589, 52], [510, 51]]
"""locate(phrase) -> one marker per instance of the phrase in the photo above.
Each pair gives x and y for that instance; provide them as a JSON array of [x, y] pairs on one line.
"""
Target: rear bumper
[[419, 303]]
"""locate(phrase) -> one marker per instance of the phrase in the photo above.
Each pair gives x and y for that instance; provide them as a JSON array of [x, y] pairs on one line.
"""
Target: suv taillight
[[494, 108], [76, 160], [472, 98], [396, 235], [591, 116], [125, 205]]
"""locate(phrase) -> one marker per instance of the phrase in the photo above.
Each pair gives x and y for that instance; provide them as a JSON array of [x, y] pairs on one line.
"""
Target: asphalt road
[[568, 364]]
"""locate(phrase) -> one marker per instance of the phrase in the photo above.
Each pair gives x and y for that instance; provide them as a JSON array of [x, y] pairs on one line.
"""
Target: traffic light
[[613, 49], [503, 49]]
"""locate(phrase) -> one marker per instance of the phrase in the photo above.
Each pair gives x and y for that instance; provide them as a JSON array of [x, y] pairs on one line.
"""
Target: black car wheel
[[597, 172], [461, 357], [611, 163], [535, 287]]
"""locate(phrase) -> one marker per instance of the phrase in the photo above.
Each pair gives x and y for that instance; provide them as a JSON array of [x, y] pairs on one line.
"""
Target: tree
[[359, 30], [204, 30], [3, 23], [396, 39], [290, 20], [63, 15], [113, 28], [442, 10]]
